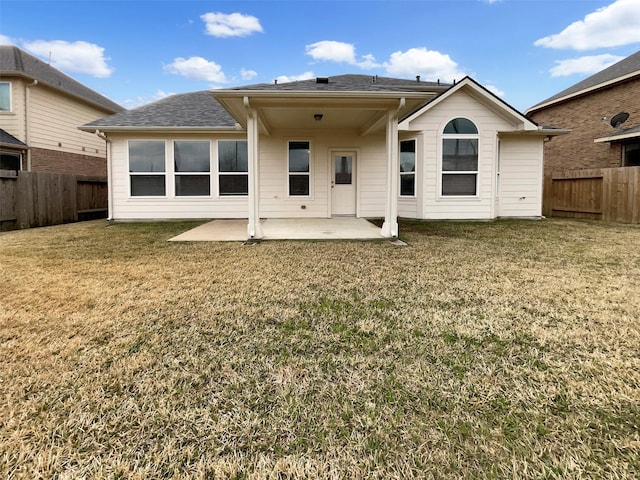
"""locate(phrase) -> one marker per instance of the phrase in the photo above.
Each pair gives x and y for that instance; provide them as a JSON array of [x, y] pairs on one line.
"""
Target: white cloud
[[73, 57], [248, 74], [197, 68], [4, 40], [130, 103], [584, 65], [329, 50], [495, 90], [429, 64], [339, 52], [368, 62], [294, 78], [230, 25], [611, 26]]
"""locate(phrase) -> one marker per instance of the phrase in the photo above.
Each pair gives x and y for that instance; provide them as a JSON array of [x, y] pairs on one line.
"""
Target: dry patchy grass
[[480, 350]]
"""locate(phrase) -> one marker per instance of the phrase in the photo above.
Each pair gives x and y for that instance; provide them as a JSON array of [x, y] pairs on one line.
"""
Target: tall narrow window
[[460, 158], [147, 168], [299, 171], [5, 97], [408, 168], [192, 167], [233, 163]]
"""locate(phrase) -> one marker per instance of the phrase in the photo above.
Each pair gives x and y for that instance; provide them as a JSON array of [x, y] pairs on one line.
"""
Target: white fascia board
[[535, 108], [125, 129], [317, 94], [615, 138], [541, 131]]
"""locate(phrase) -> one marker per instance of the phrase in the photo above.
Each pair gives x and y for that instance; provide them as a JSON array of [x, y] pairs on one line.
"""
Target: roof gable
[[626, 68], [14, 61], [480, 94]]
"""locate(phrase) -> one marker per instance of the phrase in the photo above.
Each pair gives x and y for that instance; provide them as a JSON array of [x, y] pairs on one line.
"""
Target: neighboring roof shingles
[[10, 140], [195, 109], [350, 83], [15, 61], [623, 68]]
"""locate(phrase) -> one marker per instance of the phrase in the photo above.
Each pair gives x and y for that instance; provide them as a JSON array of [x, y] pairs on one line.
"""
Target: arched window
[[460, 158]]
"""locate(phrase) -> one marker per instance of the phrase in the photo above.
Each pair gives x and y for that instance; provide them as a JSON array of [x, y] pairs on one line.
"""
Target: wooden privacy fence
[[608, 194], [35, 199]]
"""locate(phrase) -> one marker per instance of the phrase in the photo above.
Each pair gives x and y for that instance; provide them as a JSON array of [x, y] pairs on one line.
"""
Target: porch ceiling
[[364, 114]]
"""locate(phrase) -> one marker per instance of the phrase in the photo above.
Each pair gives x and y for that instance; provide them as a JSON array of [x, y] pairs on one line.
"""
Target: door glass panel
[[343, 167]]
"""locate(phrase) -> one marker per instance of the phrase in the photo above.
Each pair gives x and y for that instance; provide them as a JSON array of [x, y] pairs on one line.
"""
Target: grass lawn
[[480, 350]]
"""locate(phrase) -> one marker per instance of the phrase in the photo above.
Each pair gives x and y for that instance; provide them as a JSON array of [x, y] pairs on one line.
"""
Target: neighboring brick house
[[40, 111], [587, 109]]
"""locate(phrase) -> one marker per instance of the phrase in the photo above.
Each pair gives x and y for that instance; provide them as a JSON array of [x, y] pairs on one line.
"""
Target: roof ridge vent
[[322, 79]]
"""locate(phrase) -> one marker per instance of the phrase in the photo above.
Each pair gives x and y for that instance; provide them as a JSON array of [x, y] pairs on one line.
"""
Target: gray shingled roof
[[350, 83], [14, 61], [195, 109], [10, 140], [624, 67]]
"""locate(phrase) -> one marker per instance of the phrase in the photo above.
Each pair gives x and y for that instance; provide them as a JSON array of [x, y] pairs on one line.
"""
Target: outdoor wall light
[[317, 117]]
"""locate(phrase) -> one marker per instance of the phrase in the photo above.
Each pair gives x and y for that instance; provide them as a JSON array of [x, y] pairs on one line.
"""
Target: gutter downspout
[[26, 121], [390, 225], [101, 135]]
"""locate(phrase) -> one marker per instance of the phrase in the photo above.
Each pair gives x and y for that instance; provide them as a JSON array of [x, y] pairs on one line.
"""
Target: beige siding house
[[350, 145], [41, 108]]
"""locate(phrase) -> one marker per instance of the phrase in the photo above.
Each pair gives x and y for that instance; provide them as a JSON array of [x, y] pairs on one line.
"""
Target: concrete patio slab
[[337, 228]]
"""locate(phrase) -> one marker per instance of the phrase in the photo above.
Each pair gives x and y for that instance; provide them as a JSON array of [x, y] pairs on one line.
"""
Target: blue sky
[[137, 51]]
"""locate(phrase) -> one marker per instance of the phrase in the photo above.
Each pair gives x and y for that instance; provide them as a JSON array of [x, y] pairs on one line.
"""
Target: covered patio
[[336, 228]]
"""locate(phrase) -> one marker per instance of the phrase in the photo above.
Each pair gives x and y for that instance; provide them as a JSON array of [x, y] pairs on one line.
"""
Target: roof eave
[[540, 131], [584, 91], [63, 91], [152, 129], [320, 94], [617, 138]]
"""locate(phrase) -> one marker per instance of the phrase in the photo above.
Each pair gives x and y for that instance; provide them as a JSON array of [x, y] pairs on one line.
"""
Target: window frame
[[415, 167], [234, 173], [10, 87], [175, 174], [635, 144], [164, 173], [308, 174], [17, 154], [442, 172]]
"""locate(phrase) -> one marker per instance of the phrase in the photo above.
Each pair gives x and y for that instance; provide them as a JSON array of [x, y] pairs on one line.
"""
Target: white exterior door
[[343, 183]]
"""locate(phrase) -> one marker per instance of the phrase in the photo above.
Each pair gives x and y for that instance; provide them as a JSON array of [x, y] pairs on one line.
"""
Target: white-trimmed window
[[460, 159], [147, 168], [192, 168], [5, 97], [407, 168], [233, 164], [299, 168], [10, 161]]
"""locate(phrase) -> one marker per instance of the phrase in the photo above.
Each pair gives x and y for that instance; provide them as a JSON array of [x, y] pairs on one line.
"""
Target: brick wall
[[584, 116], [53, 161]]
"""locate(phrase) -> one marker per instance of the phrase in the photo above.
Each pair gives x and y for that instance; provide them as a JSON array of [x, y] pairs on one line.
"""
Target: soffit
[[361, 112]]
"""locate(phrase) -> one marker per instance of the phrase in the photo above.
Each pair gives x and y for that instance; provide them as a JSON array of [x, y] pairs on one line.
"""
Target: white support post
[[390, 225], [254, 227]]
